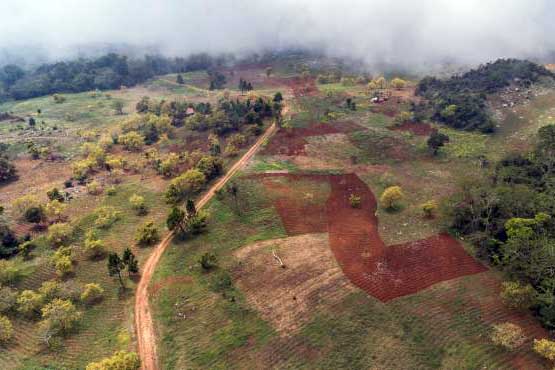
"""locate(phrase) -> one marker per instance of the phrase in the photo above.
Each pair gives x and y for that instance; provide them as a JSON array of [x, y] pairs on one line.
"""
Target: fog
[[402, 32]]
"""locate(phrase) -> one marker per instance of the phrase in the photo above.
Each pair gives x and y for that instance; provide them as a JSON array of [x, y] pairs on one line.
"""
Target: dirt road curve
[[146, 335]]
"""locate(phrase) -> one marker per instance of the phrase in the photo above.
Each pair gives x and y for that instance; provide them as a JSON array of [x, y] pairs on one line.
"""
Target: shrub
[[8, 299], [63, 265], [208, 261], [147, 234], [436, 141], [105, 217], [184, 185], [49, 290], [138, 204], [516, 296], [403, 117], [391, 197], [54, 194], [24, 203], [34, 215], [355, 201], [59, 234], [231, 150], [132, 141], [111, 191], [94, 247], [94, 188], [71, 290], [25, 249], [8, 171], [398, 83], [55, 210], [6, 329], [60, 316], [92, 293], [429, 208], [545, 348], [169, 166], [507, 335], [29, 303], [210, 166], [119, 361], [9, 271]]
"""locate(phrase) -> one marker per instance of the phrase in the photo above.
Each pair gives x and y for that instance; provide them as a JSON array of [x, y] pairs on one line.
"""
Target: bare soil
[[287, 297], [385, 272]]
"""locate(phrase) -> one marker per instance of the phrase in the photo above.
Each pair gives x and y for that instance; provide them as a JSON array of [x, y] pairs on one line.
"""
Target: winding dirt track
[[146, 334]]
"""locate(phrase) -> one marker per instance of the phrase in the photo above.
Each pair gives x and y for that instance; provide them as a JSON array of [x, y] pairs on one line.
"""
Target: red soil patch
[[385, 272], [301, 86], [419, 129], [291, 141]]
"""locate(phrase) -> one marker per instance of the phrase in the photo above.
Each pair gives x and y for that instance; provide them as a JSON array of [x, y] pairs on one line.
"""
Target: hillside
[[319, 218]]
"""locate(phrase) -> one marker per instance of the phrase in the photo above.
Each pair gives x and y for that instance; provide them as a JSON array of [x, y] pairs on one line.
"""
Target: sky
[[400, 32]]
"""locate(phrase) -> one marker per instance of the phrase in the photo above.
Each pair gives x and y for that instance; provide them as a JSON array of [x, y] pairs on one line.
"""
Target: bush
[[92, 294], [132, 141], [8, 299], [105, 217], [59, 234], [391, 197], [60, 316], [63, 265], [545, 348], [507, 335], [49, 290], [147, 234], [517, 296], [29, 303], [94, 188], [429, 208], [355, 201], [6, 329], [208, 261], [94, 248], [7, 170], [54, 194], [138, 204], [185, 185], [24, 203], [34, 215], [10, 272], [210, 166], [119, 361]]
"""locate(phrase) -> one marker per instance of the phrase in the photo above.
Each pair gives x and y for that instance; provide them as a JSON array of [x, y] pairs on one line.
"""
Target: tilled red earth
[[385, 272], [291, 141], [419, 129]]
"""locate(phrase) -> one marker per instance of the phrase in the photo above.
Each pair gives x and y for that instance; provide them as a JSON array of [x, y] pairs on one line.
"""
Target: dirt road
[[146, 334]]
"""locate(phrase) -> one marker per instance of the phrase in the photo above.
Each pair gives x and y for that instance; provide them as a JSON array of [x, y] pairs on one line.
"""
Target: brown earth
[[288, 297], [419, 129], [292, 142], [385, 272]]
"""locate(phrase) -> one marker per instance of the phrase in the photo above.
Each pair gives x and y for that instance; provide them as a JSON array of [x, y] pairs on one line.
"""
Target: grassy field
[[447, 326]]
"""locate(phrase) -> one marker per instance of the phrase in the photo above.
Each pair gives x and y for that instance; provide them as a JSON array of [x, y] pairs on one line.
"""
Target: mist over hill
[[406, 33]]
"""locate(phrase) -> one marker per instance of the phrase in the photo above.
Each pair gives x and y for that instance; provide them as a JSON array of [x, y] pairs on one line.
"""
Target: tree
[[507, 335], [59, 234], [29, 303], [191, 208], [35, 215], [60, 316], [184, 185], [94, 247], [398, 83], [147, 234], [517, 296], [176, 219], [278, 97], [92, 294], [545, 348], [138, 204], [269, 71], [130, 261], [6, 329], [179, 79], [32, 122], [115, 267], [210, 166], [208, 261], [55, 194], [429, 208], [436, 141], [118, 106], [132, 141], [119, 361], [391, 197], [7, 170]]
